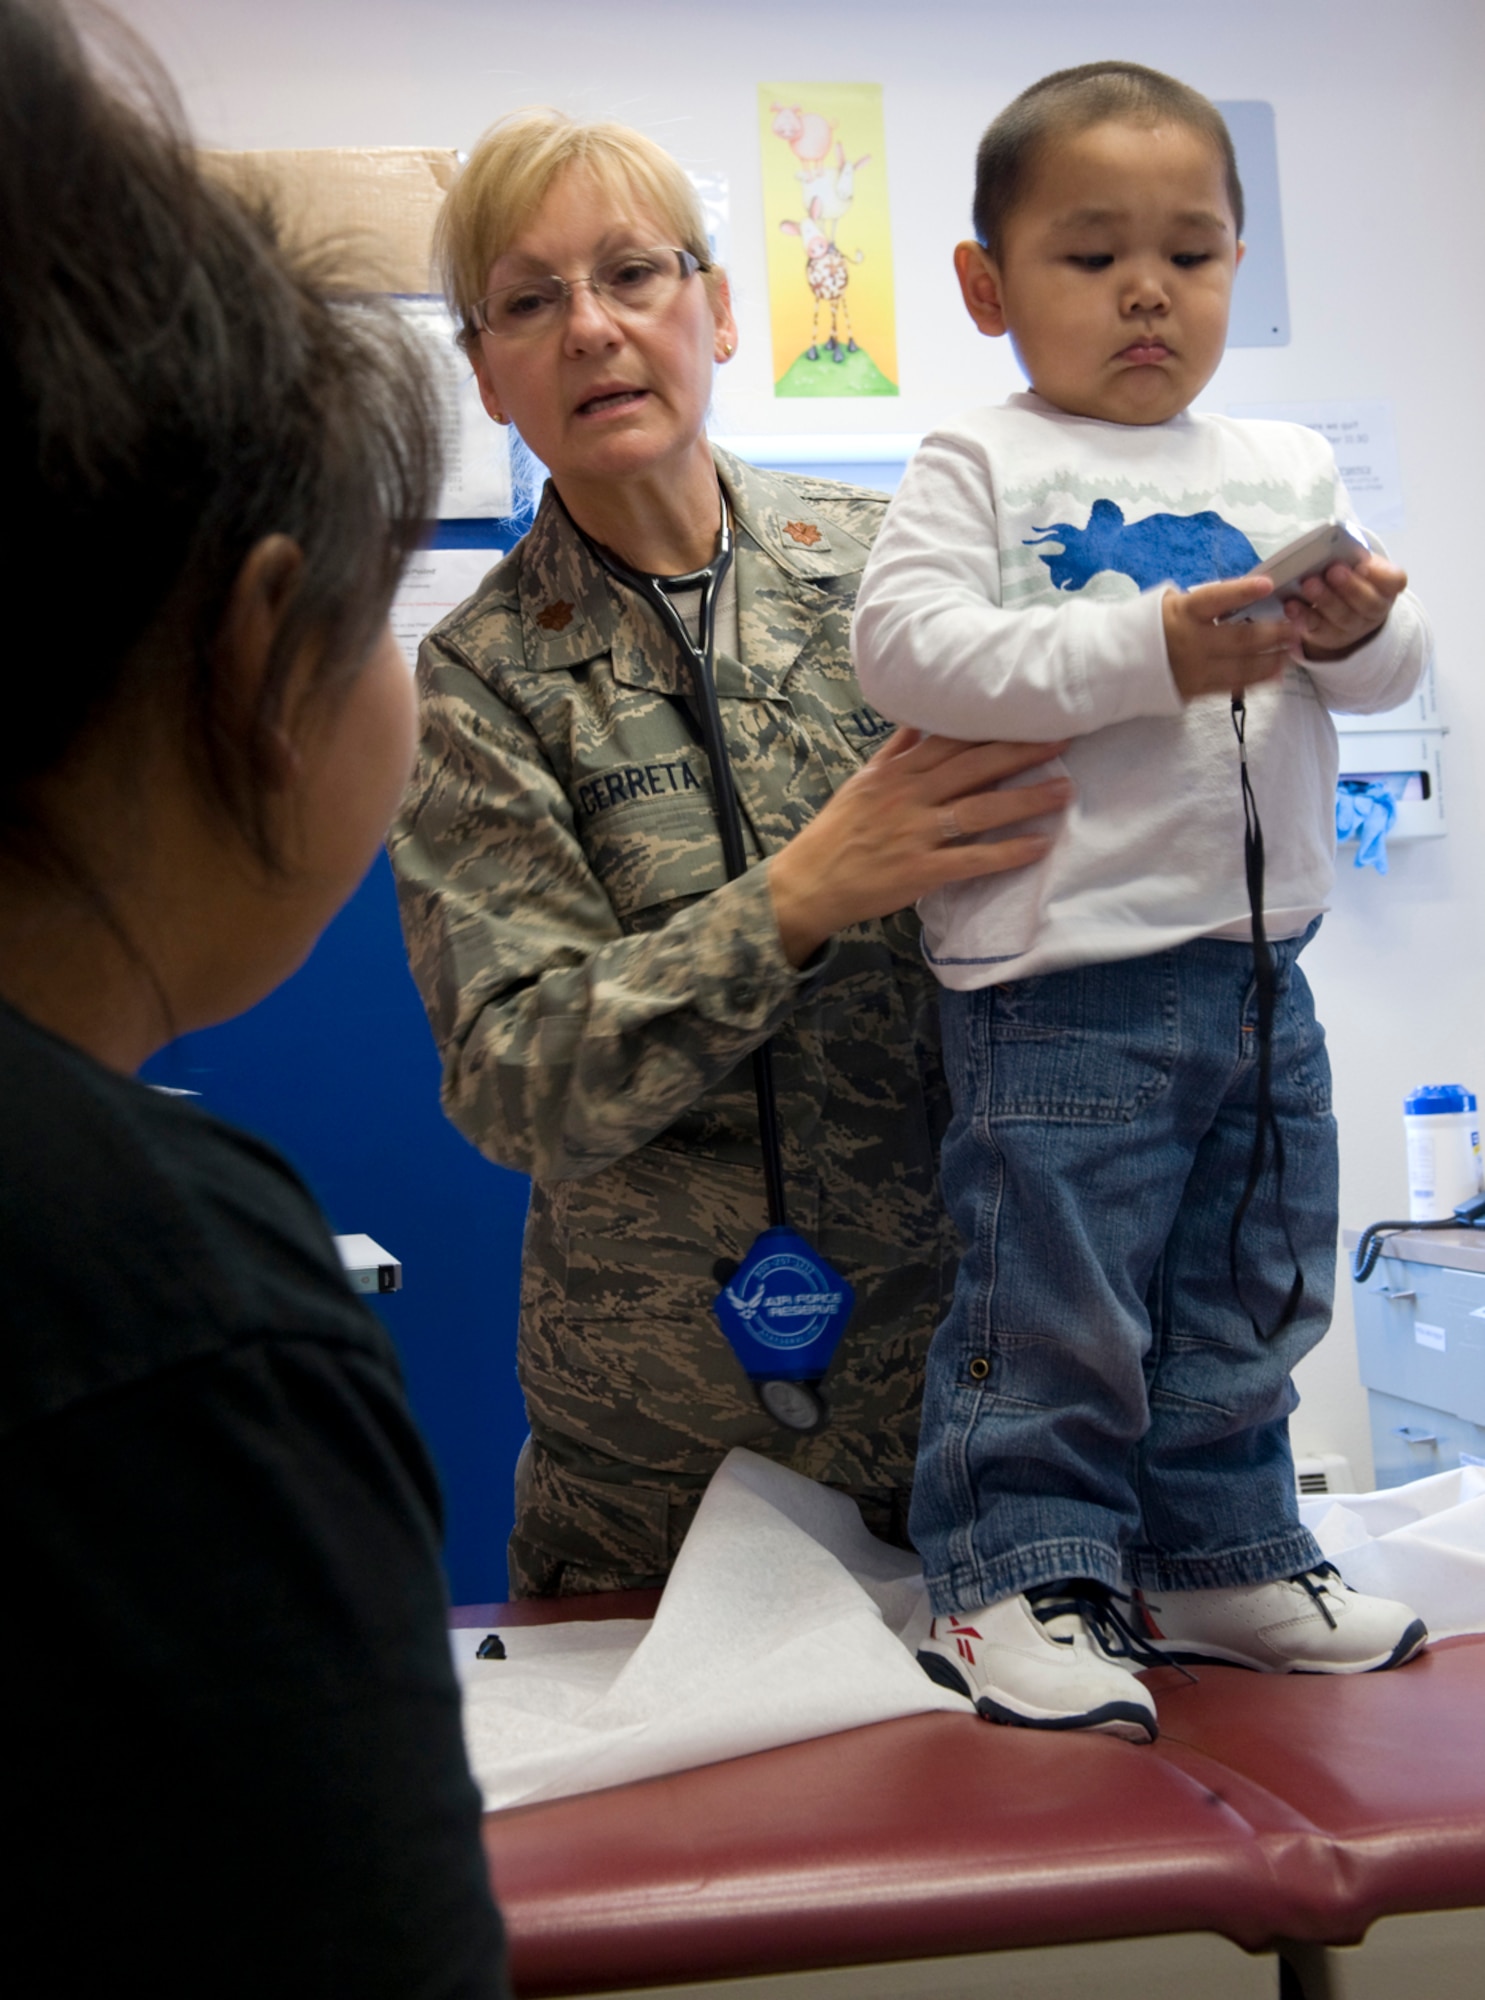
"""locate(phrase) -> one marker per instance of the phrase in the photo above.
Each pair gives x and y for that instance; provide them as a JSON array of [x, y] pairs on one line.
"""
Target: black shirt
[[232, 1758]]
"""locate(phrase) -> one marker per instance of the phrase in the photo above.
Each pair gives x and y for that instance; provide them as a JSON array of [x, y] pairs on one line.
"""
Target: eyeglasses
[[636, 284]]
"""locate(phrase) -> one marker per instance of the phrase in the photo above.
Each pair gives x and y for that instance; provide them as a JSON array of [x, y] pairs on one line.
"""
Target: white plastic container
[[1442, 1123]]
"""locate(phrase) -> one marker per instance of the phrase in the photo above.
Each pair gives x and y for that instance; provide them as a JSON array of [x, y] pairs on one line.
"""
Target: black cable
[[1369, 1243], [1267, 1140], [1469, 1215], [729, 819]]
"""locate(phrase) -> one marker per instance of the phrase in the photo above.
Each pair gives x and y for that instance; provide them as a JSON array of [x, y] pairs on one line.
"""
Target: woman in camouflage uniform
[[594, 981]]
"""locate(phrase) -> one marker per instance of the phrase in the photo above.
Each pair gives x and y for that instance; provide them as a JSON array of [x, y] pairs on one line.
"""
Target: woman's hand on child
[[1345, 606], [906, 823], [1208, 658]]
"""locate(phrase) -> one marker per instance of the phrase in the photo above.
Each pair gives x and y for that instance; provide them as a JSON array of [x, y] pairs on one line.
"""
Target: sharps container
[[1442, 1123]]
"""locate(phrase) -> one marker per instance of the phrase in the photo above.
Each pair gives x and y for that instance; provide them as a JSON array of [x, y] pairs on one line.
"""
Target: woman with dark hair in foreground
[[233, 1760]]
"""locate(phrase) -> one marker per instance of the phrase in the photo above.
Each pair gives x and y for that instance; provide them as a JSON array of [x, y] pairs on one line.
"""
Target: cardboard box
[[377, 203]]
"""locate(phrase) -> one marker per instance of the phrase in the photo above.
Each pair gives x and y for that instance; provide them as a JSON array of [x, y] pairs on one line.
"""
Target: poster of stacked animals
[[829, 239]]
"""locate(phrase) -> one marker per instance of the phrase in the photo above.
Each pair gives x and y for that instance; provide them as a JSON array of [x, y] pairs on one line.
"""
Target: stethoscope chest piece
[[795, 1406], [783, 1312]]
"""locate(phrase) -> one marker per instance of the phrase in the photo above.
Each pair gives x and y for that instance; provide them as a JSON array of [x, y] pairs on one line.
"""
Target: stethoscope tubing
[[700, 654]]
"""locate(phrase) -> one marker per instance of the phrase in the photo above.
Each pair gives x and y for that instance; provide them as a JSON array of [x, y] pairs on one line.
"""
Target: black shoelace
[[1315, 1582], [1100, 1609]]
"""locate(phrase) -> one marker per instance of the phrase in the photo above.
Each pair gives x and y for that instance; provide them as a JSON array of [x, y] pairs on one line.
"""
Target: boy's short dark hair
[[1070, 100], [175, 388]]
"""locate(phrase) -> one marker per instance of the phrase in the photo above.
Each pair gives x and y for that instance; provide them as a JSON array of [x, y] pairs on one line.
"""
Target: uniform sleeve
[[242, 1768], [566, 1043], [1383, 671], [935, 648]]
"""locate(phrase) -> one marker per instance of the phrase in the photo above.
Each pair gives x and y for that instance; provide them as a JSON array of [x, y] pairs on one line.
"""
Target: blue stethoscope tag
[[783, 1312]]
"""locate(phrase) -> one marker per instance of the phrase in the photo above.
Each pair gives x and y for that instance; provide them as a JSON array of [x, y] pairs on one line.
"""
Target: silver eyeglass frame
[[690, 266]]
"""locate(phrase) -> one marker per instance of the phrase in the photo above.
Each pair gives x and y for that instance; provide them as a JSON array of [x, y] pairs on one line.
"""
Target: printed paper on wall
[[1364, 440], [476, 452], [829, 239]]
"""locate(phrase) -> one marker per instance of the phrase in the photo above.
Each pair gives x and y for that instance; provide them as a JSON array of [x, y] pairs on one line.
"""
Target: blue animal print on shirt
[[1183, 549]]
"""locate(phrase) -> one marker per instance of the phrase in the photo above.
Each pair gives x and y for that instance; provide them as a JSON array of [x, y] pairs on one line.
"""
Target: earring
[[727, 351]]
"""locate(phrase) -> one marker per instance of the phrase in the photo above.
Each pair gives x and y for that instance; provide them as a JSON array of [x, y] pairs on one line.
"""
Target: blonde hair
[[513, 169]]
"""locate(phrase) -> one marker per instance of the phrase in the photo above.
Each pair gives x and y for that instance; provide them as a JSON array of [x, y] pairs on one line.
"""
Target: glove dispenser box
[[1409, 764], [1402, 749]]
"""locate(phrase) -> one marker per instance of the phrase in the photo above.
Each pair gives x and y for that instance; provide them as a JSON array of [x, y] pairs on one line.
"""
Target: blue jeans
[[1098, 1403]]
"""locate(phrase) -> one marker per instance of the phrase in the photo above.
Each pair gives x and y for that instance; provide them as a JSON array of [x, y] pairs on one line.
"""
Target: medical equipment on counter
[[1445, 1192], [1442, 1124]]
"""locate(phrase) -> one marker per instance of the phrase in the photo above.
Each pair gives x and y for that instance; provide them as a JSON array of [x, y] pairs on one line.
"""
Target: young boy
[[1104, 1408]]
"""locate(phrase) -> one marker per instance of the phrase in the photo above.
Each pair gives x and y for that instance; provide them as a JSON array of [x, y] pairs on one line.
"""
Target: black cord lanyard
[[700, 653], [1266, 1135]]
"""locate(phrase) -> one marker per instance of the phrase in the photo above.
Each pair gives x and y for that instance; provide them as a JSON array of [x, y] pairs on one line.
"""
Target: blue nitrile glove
[[1366, 808]]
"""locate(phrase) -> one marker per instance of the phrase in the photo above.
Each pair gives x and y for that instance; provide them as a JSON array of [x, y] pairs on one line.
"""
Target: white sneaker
[[1042, 1661], [1307, 1624]]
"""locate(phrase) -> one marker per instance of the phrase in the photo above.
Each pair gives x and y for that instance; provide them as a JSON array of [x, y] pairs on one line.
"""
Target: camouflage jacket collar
[[771, 513], [572, 611]]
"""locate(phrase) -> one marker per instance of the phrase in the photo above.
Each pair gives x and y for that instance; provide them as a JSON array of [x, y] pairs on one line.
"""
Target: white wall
[[1382, 169]]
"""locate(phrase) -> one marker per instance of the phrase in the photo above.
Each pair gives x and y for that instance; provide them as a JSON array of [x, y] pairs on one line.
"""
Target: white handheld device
[[1311, 555]]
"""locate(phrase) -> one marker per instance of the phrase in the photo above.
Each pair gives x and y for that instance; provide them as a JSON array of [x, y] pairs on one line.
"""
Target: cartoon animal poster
[[829, 236]]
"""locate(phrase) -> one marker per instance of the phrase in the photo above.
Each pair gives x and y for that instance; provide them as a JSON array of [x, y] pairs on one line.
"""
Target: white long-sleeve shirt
[[1015, 592]]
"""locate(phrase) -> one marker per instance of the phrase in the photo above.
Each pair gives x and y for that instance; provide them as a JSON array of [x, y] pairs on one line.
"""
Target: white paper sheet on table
[[1423, 1543], [783, 1619]]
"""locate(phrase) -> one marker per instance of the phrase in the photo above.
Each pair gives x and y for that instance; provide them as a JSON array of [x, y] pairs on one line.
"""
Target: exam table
[[1336, 1825]]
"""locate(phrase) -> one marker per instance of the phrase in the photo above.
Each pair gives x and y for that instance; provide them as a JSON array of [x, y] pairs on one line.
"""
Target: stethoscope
[[784, 1308]]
